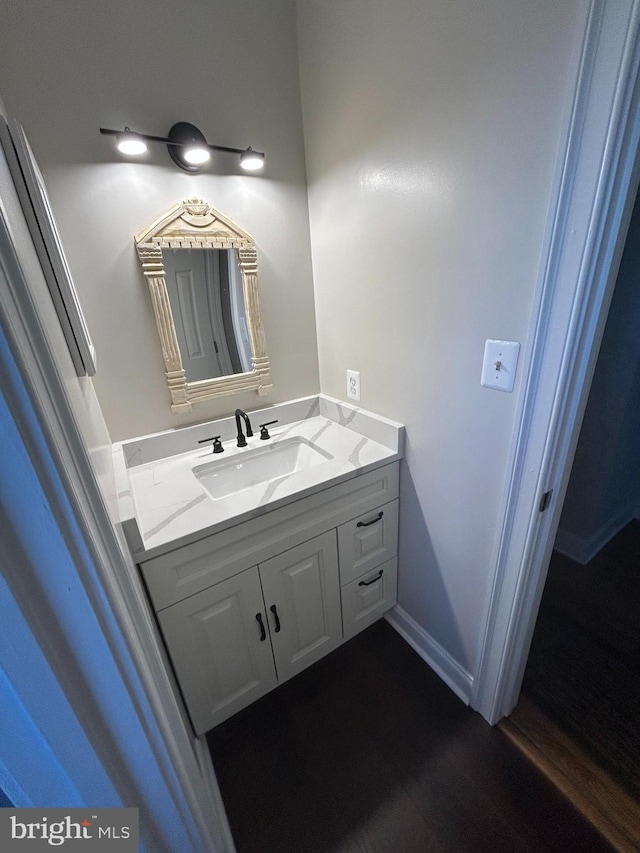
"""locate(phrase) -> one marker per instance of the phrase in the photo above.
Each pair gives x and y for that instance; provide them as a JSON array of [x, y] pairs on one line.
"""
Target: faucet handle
[[264, 432], [217, 444]]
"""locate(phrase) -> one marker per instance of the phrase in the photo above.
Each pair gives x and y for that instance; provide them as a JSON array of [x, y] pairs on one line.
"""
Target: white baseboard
[[574, 547], [583, 549], [449, 670]]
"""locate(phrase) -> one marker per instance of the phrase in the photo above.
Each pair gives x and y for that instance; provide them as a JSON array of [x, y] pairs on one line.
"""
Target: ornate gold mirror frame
[[194, 224]]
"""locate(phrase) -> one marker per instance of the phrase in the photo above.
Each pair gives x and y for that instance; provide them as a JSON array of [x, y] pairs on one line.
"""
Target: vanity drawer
[[192, 568], [367, 541], [365, 599]]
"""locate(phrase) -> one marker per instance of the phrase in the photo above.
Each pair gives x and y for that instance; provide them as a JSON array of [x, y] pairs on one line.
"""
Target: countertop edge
[[390, 434], [142, 554]]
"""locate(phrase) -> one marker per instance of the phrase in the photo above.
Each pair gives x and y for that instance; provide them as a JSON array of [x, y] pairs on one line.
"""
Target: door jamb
[[596, 185]]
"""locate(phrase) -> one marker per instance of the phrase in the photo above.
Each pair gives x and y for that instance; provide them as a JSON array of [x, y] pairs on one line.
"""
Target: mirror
[[209, 313], [202, 273]]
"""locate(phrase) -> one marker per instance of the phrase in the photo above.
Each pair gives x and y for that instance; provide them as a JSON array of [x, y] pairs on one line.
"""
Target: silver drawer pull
[[373, 520], [373, 580]]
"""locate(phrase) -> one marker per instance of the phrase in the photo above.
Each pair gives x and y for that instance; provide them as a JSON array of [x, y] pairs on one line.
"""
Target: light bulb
[[196, 156], [251, 160], [130, 143]]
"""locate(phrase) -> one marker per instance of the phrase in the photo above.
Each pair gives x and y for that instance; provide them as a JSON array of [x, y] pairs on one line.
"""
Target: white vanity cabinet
[[251, 606], [233, 642]]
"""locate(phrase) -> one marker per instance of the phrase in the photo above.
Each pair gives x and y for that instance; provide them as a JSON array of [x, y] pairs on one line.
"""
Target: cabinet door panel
[[215, 640], [303, 584], [368, 541], [365, 599]]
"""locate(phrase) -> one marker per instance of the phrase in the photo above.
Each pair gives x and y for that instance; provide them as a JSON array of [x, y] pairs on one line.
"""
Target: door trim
[[595, 187], [149, 722]]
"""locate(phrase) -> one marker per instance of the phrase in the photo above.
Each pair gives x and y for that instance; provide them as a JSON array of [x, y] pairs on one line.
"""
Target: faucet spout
[[242, 441]]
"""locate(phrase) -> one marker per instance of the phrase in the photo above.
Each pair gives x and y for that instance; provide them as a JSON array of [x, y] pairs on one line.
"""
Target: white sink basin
[[223, 477]]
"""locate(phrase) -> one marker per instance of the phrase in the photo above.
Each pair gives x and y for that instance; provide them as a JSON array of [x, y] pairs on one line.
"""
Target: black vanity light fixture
[[187, 147]]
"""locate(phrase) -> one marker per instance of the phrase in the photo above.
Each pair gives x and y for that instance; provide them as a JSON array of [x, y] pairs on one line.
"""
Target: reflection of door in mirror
[[207, 303]]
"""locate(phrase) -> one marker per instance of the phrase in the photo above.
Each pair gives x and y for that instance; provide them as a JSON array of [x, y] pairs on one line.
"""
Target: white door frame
[[76, 613], [595, 188]]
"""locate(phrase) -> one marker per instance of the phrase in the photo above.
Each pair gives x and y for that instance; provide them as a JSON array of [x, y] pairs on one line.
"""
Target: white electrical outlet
[[353, 384], [499, 365]]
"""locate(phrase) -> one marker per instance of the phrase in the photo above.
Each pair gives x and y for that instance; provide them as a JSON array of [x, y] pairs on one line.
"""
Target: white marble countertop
[[164, 506]]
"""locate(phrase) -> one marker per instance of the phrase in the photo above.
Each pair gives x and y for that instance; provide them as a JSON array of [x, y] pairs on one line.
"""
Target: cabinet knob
[[263, 633]]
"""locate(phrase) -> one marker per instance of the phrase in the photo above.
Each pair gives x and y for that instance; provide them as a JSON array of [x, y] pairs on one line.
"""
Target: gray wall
[[431, 132], [230, 67], [604, 489]]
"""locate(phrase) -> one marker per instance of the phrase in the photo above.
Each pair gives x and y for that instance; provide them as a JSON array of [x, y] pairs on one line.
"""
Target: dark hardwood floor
[[578, 717], [368, 752], [584, 666], [591, 789]]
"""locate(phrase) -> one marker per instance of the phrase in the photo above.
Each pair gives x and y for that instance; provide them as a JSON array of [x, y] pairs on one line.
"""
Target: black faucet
[[242, 441]]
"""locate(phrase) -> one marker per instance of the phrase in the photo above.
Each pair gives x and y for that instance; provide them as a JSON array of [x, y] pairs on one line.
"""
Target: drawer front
[[367, 541], [365, 599], [193, 568]]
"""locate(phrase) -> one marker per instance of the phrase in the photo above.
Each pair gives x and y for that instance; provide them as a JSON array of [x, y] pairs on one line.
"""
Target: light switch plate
[[499, 365]]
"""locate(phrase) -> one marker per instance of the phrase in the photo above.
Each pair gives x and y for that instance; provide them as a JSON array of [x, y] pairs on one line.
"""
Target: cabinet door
[[368, 541], [221, 654], [302, 594]]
